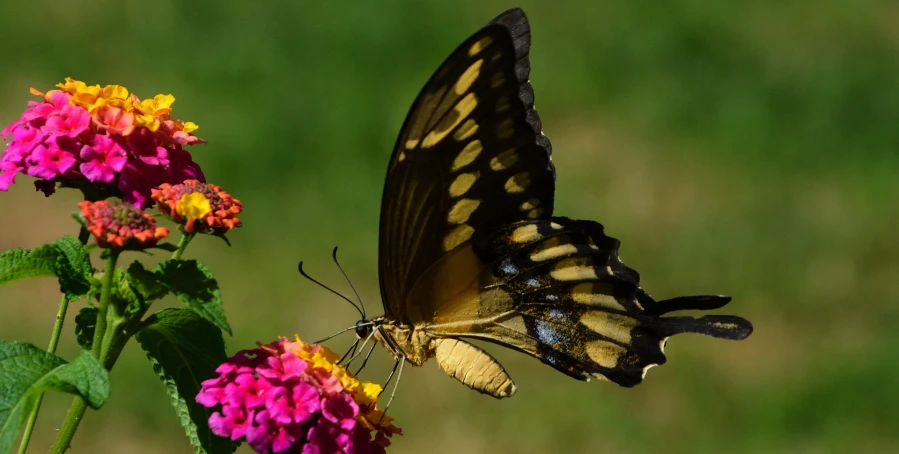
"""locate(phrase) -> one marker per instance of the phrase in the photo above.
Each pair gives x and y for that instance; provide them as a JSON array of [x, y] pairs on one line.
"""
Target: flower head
[[201, 207], [118, 225], [288, 396], [87, 135]]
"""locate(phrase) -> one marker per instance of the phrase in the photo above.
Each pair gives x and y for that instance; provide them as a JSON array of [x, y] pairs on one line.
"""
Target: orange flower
[[118, 225], [200, 207]]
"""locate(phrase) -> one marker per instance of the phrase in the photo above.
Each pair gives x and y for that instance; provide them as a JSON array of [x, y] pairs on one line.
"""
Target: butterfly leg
[[350, 351], [367, 355], [399, 363], [361, 349]]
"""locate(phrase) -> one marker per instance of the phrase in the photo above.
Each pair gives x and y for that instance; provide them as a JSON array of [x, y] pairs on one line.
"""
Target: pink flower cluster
[[292, 396], [86, 135]]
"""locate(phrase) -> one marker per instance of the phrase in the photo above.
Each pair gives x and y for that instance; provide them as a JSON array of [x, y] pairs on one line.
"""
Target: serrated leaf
[[76, 253], [66, 258], [196, 288], [185, 349], [85, 324], [73, 268], [18, 264], [145, 282], [27, 371]]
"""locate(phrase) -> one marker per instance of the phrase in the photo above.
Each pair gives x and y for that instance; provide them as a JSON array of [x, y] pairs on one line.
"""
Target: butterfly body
[[470, 248]]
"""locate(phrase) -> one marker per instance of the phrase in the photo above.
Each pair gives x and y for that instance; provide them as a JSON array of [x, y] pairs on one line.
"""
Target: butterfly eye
[[363, 329]]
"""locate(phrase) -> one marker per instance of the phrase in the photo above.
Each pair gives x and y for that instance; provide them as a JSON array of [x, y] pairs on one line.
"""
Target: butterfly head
[[363, 328]]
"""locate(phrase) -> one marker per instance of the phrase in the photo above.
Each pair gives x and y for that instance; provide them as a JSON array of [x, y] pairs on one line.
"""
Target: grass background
[[739, 148]]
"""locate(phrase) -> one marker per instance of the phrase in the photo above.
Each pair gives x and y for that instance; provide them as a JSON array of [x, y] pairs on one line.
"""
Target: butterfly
[[470, 248]]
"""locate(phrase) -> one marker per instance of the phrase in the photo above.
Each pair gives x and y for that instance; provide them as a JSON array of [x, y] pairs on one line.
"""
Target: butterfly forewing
[[471, 156]]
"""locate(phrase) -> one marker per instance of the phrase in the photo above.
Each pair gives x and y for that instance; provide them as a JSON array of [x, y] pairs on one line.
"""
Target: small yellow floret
[[163, 104], [115, 91], [189, 127], [193, 206]]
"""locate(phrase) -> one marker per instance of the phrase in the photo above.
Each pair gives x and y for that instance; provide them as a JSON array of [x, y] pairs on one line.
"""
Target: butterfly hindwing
[[470, 156], [556, 289]]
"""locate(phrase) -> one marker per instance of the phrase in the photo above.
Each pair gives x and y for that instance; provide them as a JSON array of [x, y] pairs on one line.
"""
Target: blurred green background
[[745, 148]]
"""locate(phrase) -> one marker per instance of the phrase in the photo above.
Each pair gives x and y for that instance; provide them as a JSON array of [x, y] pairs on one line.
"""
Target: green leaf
[[166, 247], [73, 267], [145, 282], [196, 288], [85, 323], [66, 258], [18, 264], [27, 371], [77, 255], [185, 349]]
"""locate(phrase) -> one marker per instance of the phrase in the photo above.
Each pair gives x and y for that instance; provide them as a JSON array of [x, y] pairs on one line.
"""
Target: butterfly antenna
[[335, 334], [300, 267], [334, 256]]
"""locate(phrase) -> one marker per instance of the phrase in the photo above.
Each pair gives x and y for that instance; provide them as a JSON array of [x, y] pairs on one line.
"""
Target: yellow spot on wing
[[504, 160], [605, 353], [505, 129], [412, 143], [502, 104], [467, 155], [468, 77], [401, 157], [526, 233], [596, 294], [461, 211], [556, 226], [465, 130], [554, 252], [535, 213], [530, 204], [457, 236], [462, 184], [614, 326], [518, 183], [462, 109], [573, 269], [479, 46], [497, 80]]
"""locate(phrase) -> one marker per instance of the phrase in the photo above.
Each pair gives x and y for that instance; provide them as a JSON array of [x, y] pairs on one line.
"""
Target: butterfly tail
[[721, 326]]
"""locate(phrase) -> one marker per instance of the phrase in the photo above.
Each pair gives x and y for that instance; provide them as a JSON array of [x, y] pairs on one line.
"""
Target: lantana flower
[[83, 135], [293, 396], [119, 225], [200, 207]]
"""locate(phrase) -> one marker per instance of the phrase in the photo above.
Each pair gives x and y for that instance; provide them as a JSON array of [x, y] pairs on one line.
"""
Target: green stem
[[182, 245], [54, 342], [69, 426], [105, 298], [79, 405]]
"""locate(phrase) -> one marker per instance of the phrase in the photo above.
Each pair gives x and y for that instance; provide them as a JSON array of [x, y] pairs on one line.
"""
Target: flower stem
[[105, 297], [182, 244], [69, 426], [79, 405], [54, 342]]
